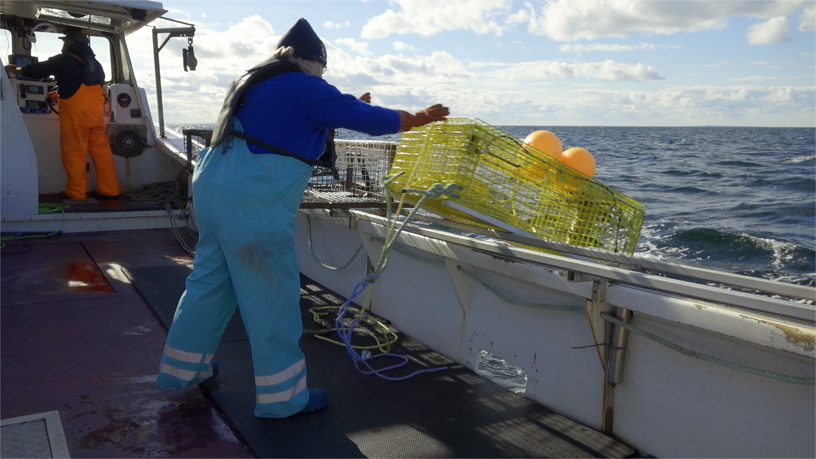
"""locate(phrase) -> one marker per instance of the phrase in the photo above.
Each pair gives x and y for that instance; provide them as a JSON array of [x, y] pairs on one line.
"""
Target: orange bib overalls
[[82, 129]]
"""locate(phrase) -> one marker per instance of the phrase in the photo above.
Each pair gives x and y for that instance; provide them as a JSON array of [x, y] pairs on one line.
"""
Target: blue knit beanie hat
[[305, 41]]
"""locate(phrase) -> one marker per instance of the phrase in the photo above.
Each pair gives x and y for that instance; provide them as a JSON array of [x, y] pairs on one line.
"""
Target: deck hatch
[[36, 435]]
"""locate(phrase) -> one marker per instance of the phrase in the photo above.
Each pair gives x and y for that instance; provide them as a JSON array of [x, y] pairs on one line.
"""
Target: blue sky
[[539, 63]]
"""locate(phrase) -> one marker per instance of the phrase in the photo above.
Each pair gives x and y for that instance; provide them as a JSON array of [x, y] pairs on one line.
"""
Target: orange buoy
[[579, 159], [545, 141]]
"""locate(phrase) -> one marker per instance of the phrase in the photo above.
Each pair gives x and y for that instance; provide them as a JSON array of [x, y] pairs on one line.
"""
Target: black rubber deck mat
[[451, 413], [162, 286]]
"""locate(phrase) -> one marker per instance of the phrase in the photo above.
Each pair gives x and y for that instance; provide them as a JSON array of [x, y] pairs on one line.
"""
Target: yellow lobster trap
[[507, 183]]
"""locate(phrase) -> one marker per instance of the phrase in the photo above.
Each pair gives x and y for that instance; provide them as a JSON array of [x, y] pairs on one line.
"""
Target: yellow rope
[[385, 333]]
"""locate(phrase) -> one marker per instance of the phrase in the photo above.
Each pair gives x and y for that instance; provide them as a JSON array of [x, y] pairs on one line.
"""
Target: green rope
[[410, 255], [42, 209], [395, 227], [706, 357], [501, 296], [435, 191], [314, 257]]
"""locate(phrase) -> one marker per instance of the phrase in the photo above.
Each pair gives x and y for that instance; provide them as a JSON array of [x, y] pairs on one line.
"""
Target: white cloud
[[222, 57], [772, 78], [359, 47], [400, 46], [607, 70], [533, 93], [569, 20], [718, 64], [807, 20], [427, 18], [676, 106], [336, 25], [580, 48], [769, 32]]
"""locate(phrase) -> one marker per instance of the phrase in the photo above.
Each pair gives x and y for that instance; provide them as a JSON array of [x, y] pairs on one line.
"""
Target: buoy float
[[579, 159], [545, 141]]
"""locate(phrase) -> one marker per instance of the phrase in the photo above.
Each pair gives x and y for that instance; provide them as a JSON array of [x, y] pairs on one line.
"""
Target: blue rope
[[362, 362], [394, 230]]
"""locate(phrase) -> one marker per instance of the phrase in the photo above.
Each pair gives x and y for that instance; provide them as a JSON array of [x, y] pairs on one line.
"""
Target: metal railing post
[[175, 32]]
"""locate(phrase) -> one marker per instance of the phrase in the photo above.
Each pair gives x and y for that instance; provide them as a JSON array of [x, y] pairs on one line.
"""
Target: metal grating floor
[[336, 198], [35, 436], [27, 439]]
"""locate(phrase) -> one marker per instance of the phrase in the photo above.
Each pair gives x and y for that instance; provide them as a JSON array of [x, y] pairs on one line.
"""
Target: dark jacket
[[75, 66]]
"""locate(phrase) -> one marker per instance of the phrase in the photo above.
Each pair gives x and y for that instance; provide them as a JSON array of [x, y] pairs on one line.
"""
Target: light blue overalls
[[246, 255]]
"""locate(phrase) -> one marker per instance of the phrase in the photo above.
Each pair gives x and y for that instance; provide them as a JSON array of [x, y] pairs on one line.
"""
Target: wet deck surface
[[83, 327]]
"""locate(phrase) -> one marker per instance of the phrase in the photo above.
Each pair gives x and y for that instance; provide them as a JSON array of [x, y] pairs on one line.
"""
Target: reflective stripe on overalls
[[246, 206]]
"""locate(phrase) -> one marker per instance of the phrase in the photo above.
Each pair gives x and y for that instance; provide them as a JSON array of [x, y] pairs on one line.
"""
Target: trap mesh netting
[[507, 183], [356, 179]]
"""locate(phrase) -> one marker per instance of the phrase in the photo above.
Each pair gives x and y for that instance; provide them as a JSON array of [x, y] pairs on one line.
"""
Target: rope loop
[[314, 257], [706, 357]]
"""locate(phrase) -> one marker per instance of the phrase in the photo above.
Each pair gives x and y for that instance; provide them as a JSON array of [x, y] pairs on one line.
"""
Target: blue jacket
[[294, 111]]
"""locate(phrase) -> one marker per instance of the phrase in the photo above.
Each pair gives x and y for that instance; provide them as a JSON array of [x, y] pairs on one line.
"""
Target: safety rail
[[591, 270]]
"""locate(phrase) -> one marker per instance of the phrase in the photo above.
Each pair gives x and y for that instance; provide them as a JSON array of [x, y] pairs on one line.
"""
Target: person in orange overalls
[[82, 127]]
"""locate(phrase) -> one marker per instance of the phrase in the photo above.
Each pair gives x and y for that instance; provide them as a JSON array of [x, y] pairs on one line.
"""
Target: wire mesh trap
[[354, 181], [356, 178], [506, 182]]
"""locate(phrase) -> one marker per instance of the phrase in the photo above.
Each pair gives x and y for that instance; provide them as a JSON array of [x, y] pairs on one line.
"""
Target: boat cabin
[[32, 173]]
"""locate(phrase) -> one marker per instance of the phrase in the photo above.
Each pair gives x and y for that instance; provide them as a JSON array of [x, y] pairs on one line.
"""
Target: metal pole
[[158, 82], [619, 335], [177, 32], [614, 369]]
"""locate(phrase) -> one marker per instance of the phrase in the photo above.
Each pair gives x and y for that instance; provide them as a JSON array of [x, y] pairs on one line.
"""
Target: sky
[[534, 63]]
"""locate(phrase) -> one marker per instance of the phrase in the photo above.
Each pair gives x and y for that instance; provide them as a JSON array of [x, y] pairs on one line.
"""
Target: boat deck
[[120, 204], [84, 320]]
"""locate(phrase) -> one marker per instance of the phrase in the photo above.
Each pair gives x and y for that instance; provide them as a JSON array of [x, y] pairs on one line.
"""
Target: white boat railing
[[584, 268]]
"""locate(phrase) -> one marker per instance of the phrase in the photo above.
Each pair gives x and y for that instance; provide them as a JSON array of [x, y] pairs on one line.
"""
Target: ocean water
[[736, 199]]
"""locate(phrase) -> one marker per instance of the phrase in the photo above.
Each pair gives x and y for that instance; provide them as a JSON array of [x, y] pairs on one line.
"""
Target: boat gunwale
[[747, 301]]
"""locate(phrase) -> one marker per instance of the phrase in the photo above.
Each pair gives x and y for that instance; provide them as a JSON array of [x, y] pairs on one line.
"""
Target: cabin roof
[[115, 17]]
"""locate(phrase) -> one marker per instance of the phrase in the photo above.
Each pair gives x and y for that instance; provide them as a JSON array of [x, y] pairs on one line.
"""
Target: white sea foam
[[800, 159]]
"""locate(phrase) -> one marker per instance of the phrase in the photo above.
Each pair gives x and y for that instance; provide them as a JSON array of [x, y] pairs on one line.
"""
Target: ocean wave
[[739, 249], [739, 163], [800, 159]]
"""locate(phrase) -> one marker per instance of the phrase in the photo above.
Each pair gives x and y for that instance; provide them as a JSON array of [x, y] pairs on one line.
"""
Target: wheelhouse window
[[49, 44]]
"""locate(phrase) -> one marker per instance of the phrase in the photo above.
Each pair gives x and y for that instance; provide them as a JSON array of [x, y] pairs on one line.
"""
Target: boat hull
[[665, 403]]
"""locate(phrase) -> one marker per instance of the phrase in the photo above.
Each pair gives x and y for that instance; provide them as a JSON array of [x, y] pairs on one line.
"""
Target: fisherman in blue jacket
[[247, 188]]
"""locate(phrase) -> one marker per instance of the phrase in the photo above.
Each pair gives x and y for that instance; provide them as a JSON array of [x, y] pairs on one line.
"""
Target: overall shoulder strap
[[275, 149]]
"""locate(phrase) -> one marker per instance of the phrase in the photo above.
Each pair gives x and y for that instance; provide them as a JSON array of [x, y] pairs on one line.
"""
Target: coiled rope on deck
[[388, 336], [362, 362]]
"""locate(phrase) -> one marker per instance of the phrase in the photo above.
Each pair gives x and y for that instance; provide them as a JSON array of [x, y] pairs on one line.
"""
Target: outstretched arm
[[433, 113]]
